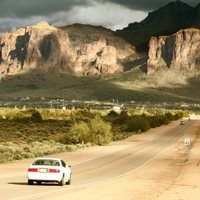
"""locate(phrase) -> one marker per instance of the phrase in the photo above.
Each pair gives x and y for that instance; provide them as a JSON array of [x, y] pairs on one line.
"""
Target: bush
[[169, 116], [96, 131], [83, 114], [79, 132], [100, 131], [178, 115], [112, 113], [137, 124], [158, 120], [36, 116], [122, 118]]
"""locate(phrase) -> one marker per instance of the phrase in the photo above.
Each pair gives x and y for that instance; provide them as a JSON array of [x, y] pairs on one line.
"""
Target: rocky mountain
[[81, 48], [166, 20]]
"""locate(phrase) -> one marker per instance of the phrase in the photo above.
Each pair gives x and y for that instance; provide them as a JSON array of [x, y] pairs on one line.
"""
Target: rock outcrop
[[180, 50], [54, 49], [39, 45]]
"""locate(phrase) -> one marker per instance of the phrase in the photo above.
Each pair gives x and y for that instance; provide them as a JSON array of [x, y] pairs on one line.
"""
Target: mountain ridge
[[177, 15]]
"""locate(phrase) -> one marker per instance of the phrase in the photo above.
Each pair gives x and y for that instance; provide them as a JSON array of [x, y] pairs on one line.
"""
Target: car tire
[[30, 182], [38, 182], [62, 182], [69, 181]]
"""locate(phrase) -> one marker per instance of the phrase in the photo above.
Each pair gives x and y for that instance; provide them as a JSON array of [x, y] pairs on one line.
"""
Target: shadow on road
[[25, 183], [18, 183]]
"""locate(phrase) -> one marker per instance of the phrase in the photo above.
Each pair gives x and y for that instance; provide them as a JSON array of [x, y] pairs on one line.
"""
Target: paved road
[[91, 168]]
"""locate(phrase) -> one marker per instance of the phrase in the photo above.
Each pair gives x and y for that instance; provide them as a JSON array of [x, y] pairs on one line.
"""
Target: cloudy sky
[[113, 14]]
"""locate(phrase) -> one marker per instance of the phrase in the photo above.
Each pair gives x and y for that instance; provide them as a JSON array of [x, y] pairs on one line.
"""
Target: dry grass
[[10, 151]]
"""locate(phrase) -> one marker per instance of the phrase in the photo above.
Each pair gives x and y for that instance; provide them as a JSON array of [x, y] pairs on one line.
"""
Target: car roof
[[48, 159]]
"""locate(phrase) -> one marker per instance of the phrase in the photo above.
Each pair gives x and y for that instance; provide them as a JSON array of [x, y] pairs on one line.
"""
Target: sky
[[112, 14]]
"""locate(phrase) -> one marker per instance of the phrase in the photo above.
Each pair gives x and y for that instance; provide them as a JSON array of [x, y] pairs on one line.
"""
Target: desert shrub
[[122, 118], [100, 130], [69, 148], [95, 131], [121, 135], [79, 132], [158, 120], [26, 155], [84, 114], [17, 155], [48, 113], [153, 122], [137, 124], [1, 118], [26, 149], [186, 113], [162, 119], [21, 119], [181, 114], [133, 112], [178, 115], [169, 116], [111, 117], [36, 116], [112, 113]]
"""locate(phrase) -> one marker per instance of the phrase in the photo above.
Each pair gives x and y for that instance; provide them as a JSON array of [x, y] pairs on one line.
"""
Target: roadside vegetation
[[28, 132]]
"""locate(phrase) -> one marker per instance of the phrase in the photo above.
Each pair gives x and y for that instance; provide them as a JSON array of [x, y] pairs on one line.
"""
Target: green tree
[[95, 131], [178, 115], [137, 124], [169, 116], [79, 132], [100, 130]]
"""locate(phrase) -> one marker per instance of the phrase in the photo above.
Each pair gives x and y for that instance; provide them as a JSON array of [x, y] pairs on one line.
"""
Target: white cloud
[[108, 15]]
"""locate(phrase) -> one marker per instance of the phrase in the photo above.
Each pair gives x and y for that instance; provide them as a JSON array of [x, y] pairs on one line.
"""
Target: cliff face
[[40, 45], [54, 50], [181, 50]]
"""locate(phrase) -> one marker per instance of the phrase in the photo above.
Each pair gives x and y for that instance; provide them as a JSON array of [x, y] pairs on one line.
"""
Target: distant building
[[116, 108]]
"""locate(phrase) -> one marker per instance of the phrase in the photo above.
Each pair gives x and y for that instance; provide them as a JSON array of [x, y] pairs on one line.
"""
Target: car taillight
[[54, 170], [32, 170]]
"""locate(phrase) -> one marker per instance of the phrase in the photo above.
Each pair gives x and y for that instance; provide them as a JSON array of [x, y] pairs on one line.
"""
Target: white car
[[49, 170]]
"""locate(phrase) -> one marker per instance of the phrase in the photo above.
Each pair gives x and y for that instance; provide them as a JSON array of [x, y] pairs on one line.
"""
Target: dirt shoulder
[[172, 175]]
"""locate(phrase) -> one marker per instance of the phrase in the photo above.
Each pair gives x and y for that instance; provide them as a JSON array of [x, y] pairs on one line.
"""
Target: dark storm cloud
[[27, 8], [16, 14], [147, 5], [113, 14]]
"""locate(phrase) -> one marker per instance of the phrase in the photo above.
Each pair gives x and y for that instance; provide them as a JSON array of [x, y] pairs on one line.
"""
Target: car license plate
[[43, 170]]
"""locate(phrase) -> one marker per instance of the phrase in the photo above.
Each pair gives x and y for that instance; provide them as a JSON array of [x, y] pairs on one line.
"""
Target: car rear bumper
[[45, 177]]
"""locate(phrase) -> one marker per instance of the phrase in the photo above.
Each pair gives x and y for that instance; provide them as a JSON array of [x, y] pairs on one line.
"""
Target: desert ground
[[173, 175]]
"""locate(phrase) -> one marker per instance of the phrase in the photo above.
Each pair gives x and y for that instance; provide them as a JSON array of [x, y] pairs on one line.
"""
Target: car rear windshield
[[47, 162]]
